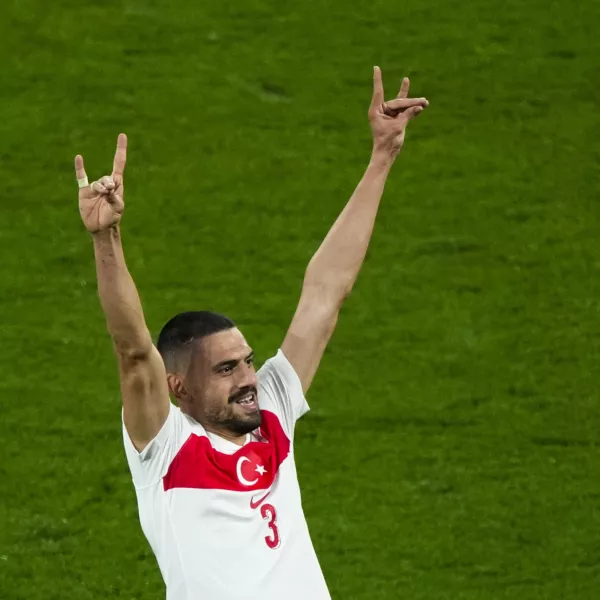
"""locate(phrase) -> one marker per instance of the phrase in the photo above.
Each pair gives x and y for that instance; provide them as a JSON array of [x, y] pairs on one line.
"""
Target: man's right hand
[[144, 387], [101, 204]]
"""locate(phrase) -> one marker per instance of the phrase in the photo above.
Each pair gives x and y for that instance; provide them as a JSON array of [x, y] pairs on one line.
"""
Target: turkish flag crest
[[252, 467]]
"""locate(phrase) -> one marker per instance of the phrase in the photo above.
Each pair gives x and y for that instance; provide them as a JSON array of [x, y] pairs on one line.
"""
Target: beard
[[241, 425]]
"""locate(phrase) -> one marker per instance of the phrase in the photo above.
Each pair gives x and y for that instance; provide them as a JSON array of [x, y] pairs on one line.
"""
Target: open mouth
[[248, 402]]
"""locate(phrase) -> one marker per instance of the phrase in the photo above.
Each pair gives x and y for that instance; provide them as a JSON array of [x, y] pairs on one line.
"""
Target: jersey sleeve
[[280, 391], [150, 465]]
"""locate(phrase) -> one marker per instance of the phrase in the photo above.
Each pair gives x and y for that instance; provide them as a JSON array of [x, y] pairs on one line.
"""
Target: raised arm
[[332, 271], [144, 387]]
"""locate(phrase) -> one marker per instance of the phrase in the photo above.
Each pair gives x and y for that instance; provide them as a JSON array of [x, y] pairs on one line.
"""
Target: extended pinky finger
[[80, 173]]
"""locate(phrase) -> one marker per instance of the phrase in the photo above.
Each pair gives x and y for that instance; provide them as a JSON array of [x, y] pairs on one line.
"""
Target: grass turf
[[452, 449]]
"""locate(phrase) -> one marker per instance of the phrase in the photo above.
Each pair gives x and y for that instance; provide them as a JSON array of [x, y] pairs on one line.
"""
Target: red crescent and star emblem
[[249, 469], [253, 467]]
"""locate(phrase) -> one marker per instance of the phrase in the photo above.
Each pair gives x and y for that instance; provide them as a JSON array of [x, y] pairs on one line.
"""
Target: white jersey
[[225, 521]]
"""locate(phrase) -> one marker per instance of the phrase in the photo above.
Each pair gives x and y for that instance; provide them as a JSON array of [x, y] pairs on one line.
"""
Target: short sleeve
[[150, 465], [280, 391]]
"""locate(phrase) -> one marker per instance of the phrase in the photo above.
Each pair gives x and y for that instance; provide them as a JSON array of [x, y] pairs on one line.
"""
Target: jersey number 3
[[269, 514]]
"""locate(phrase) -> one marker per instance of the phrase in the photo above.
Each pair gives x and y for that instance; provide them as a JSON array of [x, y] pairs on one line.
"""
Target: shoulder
[[280, 391], [279, 365], [151, 464]]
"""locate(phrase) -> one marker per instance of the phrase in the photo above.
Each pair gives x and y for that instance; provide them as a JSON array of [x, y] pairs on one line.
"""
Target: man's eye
[[250, 360], [226, 369]]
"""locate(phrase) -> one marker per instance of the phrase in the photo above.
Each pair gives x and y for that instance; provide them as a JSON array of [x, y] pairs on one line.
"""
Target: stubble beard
[[242, 425]]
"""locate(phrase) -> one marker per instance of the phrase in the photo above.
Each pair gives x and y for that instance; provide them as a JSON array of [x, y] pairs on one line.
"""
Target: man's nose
[[246, 378]]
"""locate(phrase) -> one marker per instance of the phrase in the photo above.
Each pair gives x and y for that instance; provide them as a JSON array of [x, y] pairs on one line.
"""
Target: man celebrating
[[215, 476]]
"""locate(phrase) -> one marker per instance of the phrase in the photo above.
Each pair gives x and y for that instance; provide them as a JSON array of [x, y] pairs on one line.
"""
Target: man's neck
[[239, 440], [226, 434]]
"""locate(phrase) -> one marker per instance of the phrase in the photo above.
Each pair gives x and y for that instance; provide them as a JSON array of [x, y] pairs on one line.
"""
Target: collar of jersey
[[224, 445]]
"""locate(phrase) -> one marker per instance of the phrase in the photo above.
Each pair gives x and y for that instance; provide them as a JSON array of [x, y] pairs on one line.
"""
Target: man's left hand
[[389, 119]]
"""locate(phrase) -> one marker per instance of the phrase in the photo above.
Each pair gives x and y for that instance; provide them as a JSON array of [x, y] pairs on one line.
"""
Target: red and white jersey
[[225, 521]]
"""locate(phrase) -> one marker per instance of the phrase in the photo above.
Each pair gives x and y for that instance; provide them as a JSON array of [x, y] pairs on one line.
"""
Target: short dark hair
[[185, 328]]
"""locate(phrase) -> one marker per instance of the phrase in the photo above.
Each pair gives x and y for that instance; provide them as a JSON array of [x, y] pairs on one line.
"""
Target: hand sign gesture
[[389, 119], [101, 203]]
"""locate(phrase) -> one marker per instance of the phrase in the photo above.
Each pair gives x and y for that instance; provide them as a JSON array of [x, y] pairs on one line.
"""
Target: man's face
[[221, 384]]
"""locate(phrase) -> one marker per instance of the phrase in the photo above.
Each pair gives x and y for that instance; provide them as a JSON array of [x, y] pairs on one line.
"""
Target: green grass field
[[453, 449]]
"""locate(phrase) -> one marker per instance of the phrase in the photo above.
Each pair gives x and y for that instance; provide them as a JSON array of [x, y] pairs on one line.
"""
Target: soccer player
[[214, 475]]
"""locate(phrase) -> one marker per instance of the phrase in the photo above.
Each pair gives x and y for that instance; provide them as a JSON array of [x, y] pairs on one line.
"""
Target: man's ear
[[177, 387]]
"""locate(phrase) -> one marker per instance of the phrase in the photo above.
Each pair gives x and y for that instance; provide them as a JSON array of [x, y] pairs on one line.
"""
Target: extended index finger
[[120, 156], [378, 97]]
